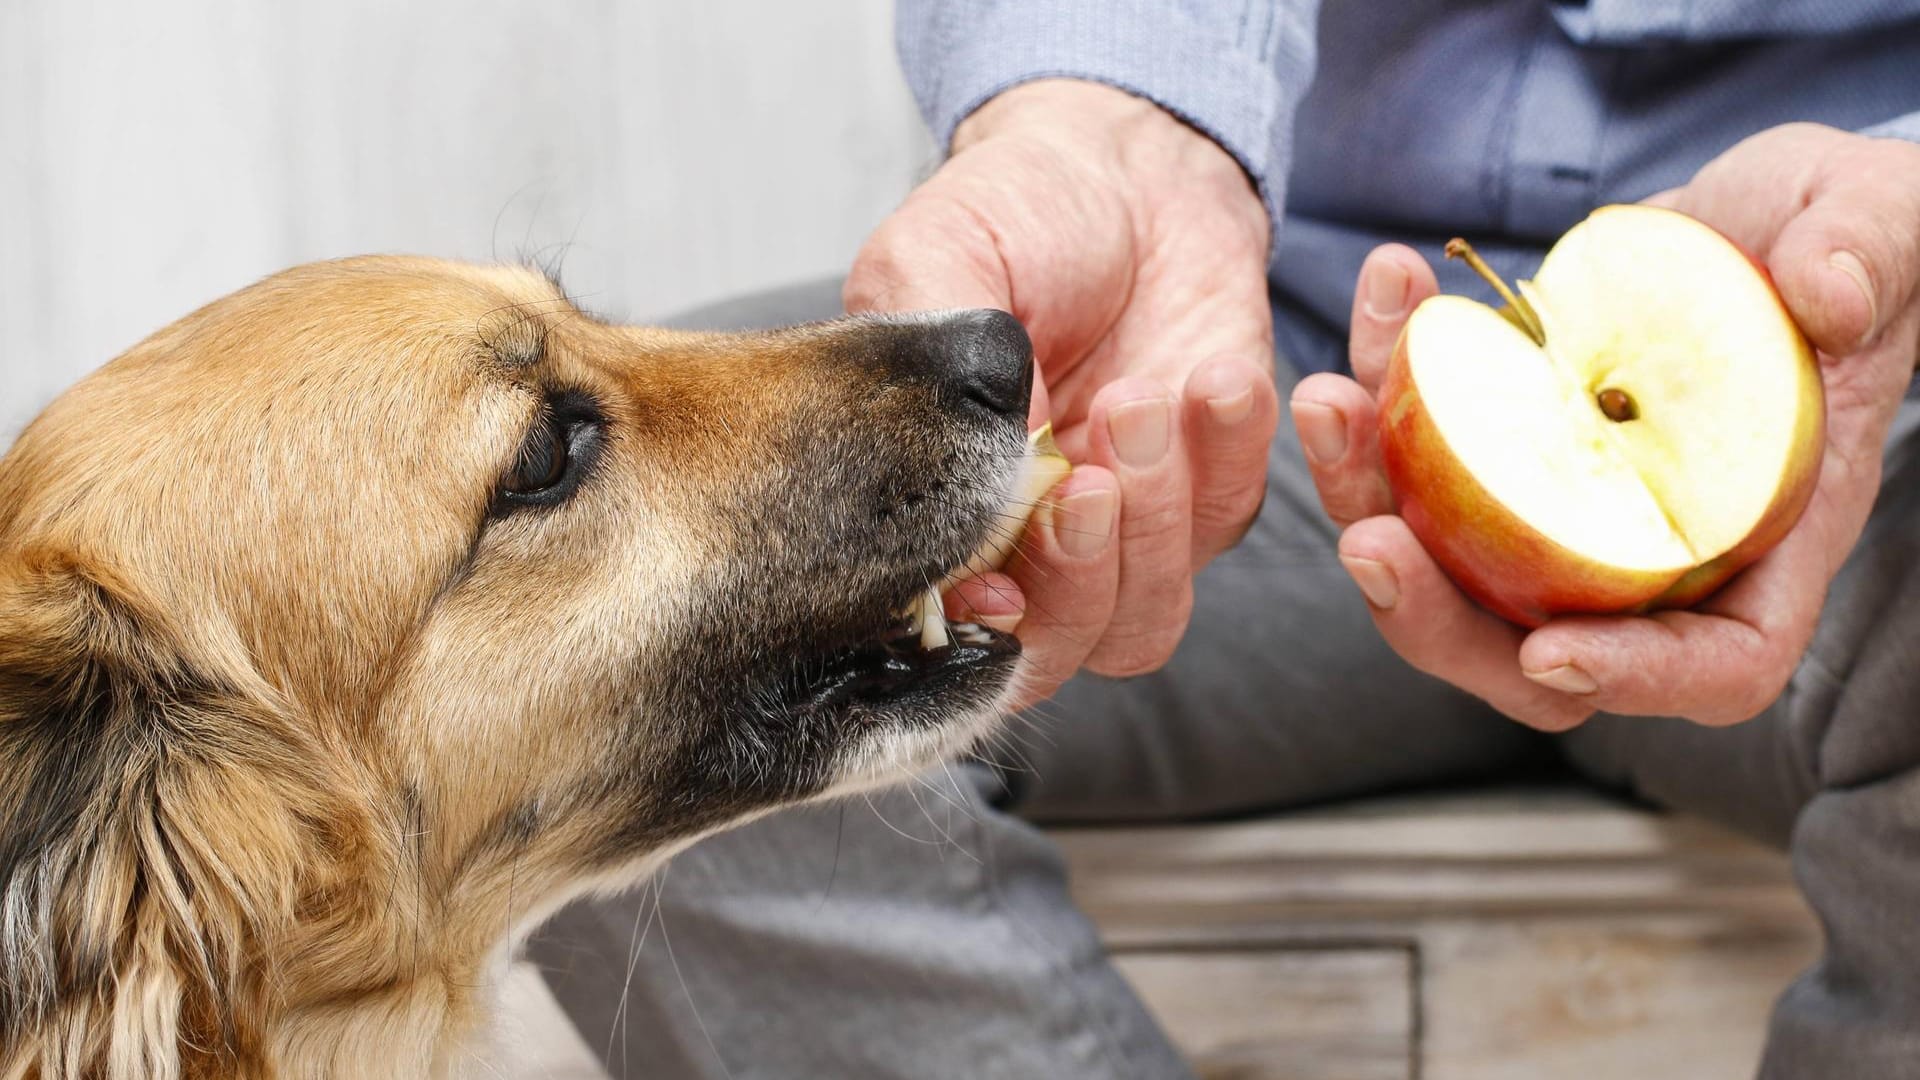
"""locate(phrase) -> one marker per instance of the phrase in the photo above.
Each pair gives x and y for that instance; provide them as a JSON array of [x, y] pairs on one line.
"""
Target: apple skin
[[1516, 572]]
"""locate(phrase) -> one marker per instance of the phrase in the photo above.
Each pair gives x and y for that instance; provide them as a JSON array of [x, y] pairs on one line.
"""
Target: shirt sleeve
[[1903, 127], [1233, 69], [1636, 22]]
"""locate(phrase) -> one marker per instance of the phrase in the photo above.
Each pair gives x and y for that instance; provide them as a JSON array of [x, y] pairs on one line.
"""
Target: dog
[[359, 620]]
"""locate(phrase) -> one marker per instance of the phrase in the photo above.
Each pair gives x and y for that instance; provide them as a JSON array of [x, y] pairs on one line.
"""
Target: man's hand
[[1836, 219], [1134, 251]]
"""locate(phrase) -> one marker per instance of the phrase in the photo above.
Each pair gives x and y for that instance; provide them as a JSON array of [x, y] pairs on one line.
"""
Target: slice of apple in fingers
[[1645, 422], [1043, 467]]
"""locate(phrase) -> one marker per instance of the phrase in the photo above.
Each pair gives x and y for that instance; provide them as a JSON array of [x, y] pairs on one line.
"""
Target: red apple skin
[[1506, 565]]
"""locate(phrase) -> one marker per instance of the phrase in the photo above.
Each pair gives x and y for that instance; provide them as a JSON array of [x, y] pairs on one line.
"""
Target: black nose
[[986, 356]]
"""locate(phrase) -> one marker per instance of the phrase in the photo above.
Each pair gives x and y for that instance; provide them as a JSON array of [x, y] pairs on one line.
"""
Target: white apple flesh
[[1043, 467], [1643, 422]]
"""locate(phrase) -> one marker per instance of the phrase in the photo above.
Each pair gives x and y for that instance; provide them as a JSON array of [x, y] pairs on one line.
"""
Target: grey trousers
[[927, 931]]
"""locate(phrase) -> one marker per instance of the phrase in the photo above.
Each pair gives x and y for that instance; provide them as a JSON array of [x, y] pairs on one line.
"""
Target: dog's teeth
[[933, 621]]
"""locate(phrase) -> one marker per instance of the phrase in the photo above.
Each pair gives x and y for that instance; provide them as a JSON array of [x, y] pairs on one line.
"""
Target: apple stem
[[1529, 319]]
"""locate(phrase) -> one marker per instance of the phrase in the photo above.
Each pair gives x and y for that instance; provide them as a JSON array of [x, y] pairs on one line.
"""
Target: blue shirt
[[1506, 121]]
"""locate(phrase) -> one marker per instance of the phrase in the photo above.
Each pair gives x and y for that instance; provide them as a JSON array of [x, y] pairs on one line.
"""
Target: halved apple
[[1641, 422], [1043, 467]]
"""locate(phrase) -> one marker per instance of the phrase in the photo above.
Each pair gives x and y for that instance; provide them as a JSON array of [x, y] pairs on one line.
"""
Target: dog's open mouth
[[1042, 468], [919, 653], [897, 666], [916, 654]]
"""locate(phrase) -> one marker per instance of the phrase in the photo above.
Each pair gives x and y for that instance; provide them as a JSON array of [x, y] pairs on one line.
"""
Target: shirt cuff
[[1905, 127], [1239, 94]]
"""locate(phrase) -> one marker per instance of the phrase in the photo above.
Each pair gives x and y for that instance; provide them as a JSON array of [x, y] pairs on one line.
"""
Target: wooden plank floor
[[1512, 935]]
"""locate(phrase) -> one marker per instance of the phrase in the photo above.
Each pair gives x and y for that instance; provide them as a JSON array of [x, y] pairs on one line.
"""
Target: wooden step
[[1515, 934]]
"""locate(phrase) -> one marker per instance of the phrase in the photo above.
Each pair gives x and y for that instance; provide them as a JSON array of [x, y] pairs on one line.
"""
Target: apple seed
[[1617, 405]]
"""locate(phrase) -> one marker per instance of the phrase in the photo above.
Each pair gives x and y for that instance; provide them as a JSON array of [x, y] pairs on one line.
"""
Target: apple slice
[[1640, 423], [1043, 467]]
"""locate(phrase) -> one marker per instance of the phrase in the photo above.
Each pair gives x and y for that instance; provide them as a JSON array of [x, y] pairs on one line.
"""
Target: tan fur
[[240, 591]]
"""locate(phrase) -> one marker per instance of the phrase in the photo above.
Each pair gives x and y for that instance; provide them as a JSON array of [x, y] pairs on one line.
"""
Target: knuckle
[[1407, 638], [876, 270], [1798, 137], [1154, 524], [1805, 129], [1231, 510], [1763, 694], [1726, 715], [1128, 660], [1753, 697], [1131, 649], [1349, 501], [1557, 716]]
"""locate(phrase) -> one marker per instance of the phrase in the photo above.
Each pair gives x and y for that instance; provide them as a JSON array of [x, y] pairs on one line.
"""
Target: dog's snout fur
[[356, 621]]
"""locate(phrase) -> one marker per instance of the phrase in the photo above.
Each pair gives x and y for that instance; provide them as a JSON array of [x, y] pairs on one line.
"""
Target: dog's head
[[364, 615]]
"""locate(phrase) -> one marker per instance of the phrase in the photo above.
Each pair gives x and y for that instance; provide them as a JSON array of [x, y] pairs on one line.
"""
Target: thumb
[[932, 253], [1040, 406], [1847, 265]]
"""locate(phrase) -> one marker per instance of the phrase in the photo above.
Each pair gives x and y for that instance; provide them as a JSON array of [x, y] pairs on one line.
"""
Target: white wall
[[156, 155]]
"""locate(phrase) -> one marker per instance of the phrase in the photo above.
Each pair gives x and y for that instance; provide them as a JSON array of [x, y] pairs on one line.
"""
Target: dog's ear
[[149, 827]]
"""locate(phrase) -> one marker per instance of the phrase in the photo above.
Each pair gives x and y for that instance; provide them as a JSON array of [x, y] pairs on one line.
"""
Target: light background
[[154, 156]]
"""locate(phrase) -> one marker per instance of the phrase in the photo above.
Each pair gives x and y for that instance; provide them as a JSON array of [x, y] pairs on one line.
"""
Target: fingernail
[[1375, 579], [1083, 523], [1323, 431], [1232, 409], [1387, 287], [1141, 431], [1567, 678], [1849, 264]]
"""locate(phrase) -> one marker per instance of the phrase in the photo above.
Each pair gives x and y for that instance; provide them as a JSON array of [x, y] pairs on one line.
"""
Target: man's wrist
[[1047, 104]]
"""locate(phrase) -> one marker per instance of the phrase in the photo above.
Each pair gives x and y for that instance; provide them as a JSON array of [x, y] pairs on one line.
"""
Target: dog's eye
[[556, 450], [543, 460]]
